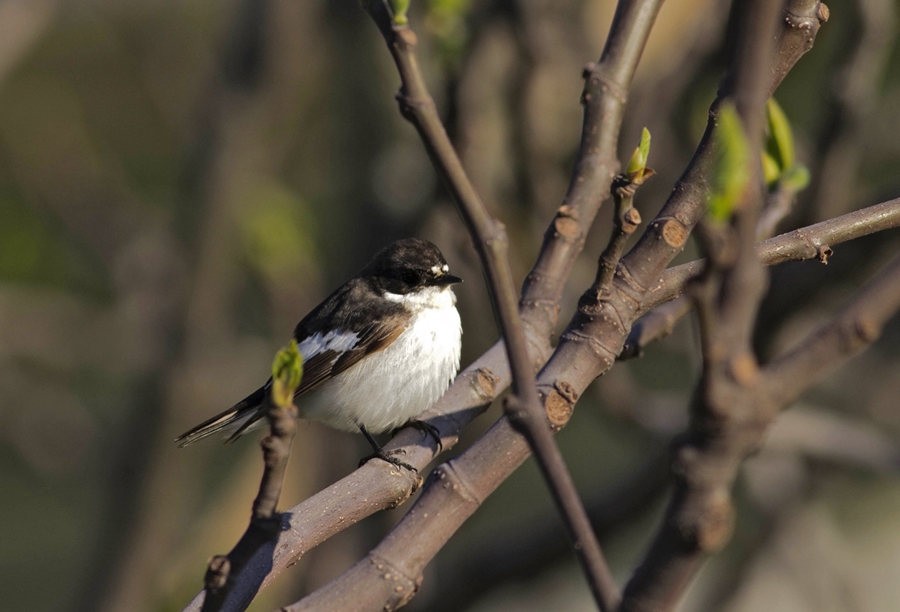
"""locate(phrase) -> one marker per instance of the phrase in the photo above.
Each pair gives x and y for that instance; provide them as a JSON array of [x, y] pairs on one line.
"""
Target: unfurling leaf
[[780, 144], [638, 163], [771, 170], [287, 370], [732, 171], [796, 178], [398, 10]]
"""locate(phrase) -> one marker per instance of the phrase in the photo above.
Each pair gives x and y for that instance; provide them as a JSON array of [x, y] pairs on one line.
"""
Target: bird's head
[[408, 265]]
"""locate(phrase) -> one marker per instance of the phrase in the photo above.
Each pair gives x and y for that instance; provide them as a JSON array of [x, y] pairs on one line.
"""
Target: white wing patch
[[339, 340]]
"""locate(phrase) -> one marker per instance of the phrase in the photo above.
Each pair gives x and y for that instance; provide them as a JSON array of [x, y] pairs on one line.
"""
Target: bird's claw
[[389, 457], [429, 429]]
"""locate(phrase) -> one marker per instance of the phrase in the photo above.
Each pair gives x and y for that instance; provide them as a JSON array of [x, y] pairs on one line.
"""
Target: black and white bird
[[376, 353]]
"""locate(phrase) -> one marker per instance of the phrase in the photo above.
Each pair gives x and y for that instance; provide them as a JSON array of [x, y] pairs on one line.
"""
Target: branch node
[[823, 252], [404, 38], [560, 403], [867, 329], [744, 369], [567, 226], [485, 383], [217, 572], [674, 233], [716, 523]]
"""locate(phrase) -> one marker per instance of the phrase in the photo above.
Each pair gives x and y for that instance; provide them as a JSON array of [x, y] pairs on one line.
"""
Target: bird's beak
[[446, 279]]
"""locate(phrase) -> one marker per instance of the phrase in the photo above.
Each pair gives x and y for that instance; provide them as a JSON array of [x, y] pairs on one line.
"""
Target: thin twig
[[489, 236], [812, 242], [655, 325], [626, 220], [265, 522]]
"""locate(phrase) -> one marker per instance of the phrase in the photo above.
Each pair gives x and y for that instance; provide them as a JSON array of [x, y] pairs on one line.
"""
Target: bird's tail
[[238, 419]]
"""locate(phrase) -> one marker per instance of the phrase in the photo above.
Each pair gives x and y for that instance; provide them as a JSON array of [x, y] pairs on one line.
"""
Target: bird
[[376, 353]]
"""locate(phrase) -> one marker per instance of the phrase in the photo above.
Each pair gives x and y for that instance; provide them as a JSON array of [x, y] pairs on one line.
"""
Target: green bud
[[398, 9], [732, 169], [287, 370], [638, 163]]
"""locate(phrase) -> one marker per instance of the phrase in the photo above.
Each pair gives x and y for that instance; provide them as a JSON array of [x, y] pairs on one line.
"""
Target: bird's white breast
[[387, 388]]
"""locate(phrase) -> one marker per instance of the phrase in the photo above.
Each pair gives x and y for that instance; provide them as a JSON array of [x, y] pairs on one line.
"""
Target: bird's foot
[[429, 429], [388, 455]]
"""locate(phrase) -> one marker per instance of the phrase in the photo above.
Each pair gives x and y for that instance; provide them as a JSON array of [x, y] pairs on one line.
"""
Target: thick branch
[[604, 96], [668, 233]]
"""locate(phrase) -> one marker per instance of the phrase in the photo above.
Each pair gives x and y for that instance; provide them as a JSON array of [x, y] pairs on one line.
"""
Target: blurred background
[[180, 181]]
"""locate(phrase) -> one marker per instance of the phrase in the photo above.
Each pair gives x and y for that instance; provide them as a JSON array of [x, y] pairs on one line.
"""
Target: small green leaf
[[796, 178], [780, 144], [398, 9], [287, 370], [771, 171], [638, 161], [732, 170]]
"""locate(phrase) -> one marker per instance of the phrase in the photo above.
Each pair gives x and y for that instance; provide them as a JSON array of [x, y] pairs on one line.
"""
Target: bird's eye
[[409, 277]]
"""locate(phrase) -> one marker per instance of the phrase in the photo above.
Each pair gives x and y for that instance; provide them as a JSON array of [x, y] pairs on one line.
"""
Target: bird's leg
[[382, 454], [428, 428]]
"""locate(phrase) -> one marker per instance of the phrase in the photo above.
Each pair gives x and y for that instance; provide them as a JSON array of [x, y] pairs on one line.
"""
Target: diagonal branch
[[814, 241], [491, 242], [845, 336]]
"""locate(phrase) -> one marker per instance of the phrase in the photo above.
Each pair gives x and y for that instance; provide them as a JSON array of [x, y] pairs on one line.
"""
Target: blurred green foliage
[[445, 21], [731, 172]]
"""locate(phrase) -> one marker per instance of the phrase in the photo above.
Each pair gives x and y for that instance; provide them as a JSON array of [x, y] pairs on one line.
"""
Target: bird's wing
[[327, 355]]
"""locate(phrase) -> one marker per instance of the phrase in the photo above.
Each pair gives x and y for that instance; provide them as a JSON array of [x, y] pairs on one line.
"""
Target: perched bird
[[376, 353]]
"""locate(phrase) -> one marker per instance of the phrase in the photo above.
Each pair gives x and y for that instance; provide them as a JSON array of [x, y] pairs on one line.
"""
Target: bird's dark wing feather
[[327, 364], [248, 405]]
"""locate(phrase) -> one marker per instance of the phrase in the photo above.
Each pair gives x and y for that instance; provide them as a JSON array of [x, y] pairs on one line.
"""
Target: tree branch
[[604, 96], [491, 242], [730, 411], [698, 520], [814, 241], [265, 522], [845, 336]]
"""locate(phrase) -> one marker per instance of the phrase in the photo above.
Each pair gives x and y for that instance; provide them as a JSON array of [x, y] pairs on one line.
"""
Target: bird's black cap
[[407, 265]]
